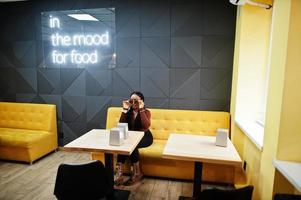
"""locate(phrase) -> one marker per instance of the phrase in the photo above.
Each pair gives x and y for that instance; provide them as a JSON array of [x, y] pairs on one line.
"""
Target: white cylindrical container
[[221, 137], [125, 129], [115, 137]]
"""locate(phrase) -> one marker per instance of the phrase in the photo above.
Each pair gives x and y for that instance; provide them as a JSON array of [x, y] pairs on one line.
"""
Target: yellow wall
[[252, 156], [279, 34], [283, 113], [290, 128], [290, 123]]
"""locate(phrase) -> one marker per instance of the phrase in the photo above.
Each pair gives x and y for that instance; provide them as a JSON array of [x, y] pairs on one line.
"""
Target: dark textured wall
[[178, 53]]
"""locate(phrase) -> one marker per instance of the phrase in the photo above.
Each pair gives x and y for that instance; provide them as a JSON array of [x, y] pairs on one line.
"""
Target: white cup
[[221, 137]]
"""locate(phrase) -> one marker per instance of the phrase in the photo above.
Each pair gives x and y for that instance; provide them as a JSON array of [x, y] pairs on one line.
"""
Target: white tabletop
[[97, 140], [291, 171], [200, 148]]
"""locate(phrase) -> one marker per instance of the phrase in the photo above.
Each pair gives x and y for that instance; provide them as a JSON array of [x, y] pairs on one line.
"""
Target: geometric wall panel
[[95, 107], [26, 80], [210, 78], [219, 18], [69, 79], [25, 53], [77, 87], [39, 48], [127, 18], [69, 134], [127, 52], [216, 84], [97, 111], [56, 100], [98, 82], [152, 102], [179, 54], [155, 82], [217, 51], [26, 98], [128, 28], [125, 81], [5, 62], [18, 25], [73, 130], [183, 103], [7, 84], [60, 132], [155, 20], [214, 105], [185, 84], [186, 19], [155, 52], [49, 81], [74, 108], [186, 52], [117, 101]]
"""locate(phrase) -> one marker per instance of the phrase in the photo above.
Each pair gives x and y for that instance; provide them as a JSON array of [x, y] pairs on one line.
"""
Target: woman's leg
[[146, 141], [137, 173], [134, 157], [119, 179]]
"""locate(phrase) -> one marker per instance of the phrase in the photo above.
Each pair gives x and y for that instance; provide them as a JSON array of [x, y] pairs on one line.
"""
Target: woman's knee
[[145, 142]]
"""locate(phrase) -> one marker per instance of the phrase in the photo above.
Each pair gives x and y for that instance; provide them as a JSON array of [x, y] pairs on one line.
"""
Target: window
[[253, 71]]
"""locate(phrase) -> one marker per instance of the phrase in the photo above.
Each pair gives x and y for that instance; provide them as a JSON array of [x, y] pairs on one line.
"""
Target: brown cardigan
[[145, 116]]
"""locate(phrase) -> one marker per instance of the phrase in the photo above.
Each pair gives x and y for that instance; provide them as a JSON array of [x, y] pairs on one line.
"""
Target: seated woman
[[139, 119]]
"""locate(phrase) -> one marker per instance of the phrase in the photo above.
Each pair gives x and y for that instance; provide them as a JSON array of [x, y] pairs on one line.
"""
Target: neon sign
[[80, 39], [54, 22], [88, 44], [75, 57]]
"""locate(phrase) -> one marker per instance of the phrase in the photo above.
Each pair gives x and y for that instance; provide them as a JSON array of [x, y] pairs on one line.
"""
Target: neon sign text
[[88, 43], [74, 57], [54, 22], [80, 39]]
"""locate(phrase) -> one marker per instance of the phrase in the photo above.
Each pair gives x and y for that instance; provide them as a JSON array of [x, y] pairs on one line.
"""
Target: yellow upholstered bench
[[27, 131], [166, 121]]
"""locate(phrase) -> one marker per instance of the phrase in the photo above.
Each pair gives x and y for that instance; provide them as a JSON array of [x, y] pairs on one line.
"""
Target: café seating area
[[150, 100], [167, 121]]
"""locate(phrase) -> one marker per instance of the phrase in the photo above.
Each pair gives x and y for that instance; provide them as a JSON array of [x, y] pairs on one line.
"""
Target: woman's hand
[[126, 104], [141, 104]]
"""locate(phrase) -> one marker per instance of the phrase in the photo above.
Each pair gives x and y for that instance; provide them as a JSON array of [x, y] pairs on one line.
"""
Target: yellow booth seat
[[166, 121], [27, 131]]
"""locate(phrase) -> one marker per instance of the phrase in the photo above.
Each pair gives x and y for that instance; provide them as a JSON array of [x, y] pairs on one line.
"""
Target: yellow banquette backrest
[[166, 121], [28, 116]]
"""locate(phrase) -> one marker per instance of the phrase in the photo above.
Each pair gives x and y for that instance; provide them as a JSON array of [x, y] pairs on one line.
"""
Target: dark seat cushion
[[287, 197], [82, 181], [236, 194]]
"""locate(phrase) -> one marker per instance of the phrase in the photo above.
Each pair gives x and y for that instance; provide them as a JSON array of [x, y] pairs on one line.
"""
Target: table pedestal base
[[197, 181], [117, 194]]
